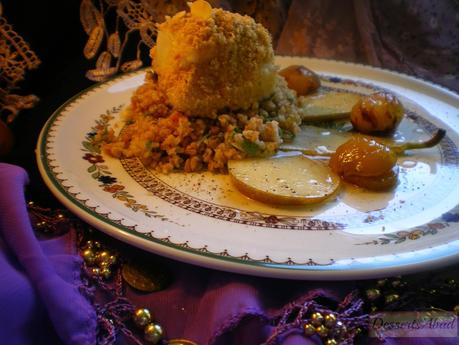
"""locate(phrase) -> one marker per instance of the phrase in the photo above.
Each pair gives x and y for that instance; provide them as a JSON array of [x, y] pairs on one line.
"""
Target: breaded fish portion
[[212, 60]]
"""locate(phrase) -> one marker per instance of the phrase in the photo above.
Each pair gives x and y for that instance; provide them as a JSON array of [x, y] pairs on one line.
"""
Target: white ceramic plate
[[199, 218]]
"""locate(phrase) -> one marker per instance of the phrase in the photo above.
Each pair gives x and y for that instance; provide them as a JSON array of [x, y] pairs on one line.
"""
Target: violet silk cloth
[[40, 300]]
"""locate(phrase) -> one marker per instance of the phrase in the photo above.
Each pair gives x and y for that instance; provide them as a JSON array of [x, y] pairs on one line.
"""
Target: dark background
[[54, 33]]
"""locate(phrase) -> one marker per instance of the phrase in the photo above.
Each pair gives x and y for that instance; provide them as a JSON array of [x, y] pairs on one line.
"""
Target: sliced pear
[[328, 105], [316, 141], [284, 180]]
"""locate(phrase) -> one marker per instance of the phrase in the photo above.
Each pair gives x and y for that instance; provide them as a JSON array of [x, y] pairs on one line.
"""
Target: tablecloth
[[43, 296], [44, 300]]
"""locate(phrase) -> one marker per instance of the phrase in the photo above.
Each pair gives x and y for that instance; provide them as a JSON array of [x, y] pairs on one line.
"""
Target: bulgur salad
[[213, 94], [214, 97]]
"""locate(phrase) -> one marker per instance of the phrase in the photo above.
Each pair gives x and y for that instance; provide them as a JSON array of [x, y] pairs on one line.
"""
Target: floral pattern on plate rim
[[50, 165], [103, 175], [138, 172], [431, 228], [153, 184]]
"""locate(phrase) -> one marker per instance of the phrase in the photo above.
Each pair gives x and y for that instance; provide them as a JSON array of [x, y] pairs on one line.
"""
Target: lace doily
[[16, 58], [111, 25], [117, 28]]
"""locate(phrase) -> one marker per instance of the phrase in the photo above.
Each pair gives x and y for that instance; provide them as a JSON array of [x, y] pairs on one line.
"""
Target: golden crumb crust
[[205, 65], [214, 95]]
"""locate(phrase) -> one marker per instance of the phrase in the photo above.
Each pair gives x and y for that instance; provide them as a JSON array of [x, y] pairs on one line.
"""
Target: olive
[[380, 112], [300, 79]]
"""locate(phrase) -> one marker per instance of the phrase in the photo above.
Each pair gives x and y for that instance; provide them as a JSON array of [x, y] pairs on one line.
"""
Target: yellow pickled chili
[[365, 162]]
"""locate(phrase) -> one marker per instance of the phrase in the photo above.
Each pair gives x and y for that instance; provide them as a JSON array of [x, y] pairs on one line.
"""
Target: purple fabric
[[39, 297], [213, 307], [41, 303]]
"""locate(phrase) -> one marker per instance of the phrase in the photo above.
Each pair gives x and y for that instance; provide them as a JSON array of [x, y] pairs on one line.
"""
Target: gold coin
[[146, 279], [181, 342]]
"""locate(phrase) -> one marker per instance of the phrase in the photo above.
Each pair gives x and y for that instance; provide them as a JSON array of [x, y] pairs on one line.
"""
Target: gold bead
[[456, 309], [142, 317], [104, 260], [391, 298], [153, 333], [402, 284], [105, 272], [104, 264], [329, 320], [331, 342], [317, 319], [322, 331], [102, 256], [396, 283], [88, 256], [30, 203], [373, 294], [112, 259], [88, 244], [381, 282], [309, 329], [95, 271], [60, 216], [451, 283], [339, 329]]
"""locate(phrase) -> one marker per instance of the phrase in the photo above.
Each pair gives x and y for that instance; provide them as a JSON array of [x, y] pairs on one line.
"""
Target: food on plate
[[208, 60], [365, 162], [380, 112], [301, 79], [215, 100], [434, 140], [284, 180], [316, 141], [323, 141], [377, 113], [214, 94], [328, 105], [383, 182]]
